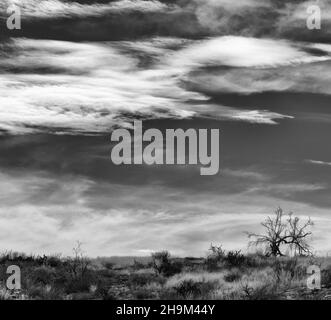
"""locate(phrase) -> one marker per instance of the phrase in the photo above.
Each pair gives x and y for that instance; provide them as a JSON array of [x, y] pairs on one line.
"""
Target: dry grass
[[257, 277]]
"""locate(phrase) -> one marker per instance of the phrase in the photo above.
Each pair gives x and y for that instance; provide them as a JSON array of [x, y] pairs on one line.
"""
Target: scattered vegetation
[[221, 274], [162, 264]]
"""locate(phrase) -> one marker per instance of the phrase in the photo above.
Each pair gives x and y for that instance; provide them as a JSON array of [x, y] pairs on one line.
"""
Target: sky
[[79, 69]]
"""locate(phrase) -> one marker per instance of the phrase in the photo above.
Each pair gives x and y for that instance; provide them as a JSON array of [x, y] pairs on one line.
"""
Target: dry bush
[[47, 292], [142, 279], [233, 275], [189, 289], [236, 259], [326, 277], [285, 268], [266, 291], [137, 265], [215, 257], [163, 265]]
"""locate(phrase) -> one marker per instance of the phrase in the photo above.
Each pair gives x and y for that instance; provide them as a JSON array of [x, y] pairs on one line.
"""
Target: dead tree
[[281, 231], [78, 265], [297, 235]]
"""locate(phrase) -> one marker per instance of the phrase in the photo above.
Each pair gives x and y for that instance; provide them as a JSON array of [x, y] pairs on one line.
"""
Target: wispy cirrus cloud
[[57, 8], [319, 162], [43, 213], [77, 87], [59, 87], [69, 189], [198, 18]]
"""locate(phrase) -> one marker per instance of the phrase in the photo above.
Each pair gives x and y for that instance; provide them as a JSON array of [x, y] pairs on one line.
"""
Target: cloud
[[245, 174], [55, 8], [85, 88], [239, 114], [241, 52], [292, 21], [313, 78], [124, 19], [46, 213], [318, 162], [288, 189], [232, 17], [66, 87], [256, 116], [88, 88], [273, 18], [288, 66], [96, 83]]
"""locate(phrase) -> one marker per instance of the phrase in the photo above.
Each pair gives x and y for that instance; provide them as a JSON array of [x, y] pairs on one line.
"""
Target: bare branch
[[282, 231]]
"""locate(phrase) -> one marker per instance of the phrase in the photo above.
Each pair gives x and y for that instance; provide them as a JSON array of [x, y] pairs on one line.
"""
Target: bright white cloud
[[302, 72], [57, 8], [259, 116], [318, 162], [95, 83], [87, 87], [241, 52]]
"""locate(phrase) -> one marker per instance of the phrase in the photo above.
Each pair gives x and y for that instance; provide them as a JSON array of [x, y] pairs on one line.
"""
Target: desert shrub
[[168, 294], [108, 265], [235, 259], [213, 259], [219, 258], [207, 289], [217, 252], [77, 268], [138, 265], [140, 279], [189, 289], [54, 261], [143, 279], [5, 294], [76, 283], [47, 292], [191, 264], [163, 265], [143, 294], [286, 269], [301, 271], [232, 276], [266, 291], [160, 260], [259, 260], [290, 266], [61, 278], [173, 268], [82, 296], [79, 285], [17, 257], [212, 264], [104, 293], [326, 277], [41, 260], [43, 275]]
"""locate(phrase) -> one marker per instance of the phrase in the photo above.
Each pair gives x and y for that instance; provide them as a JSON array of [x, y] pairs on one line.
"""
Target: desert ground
[[218, 275]]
